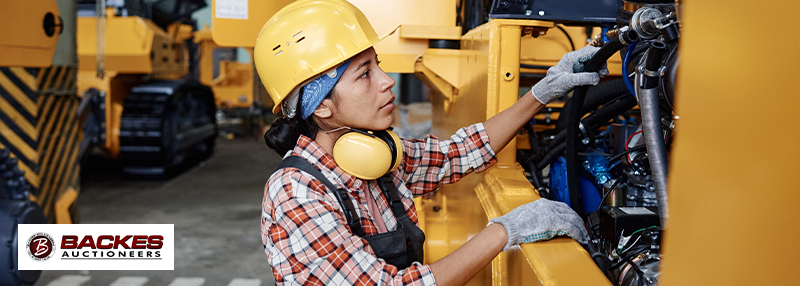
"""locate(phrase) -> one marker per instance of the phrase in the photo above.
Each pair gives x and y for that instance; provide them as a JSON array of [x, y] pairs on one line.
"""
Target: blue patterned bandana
[[315, 91]]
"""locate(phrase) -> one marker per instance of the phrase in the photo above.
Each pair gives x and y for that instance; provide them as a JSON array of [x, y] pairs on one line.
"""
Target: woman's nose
[[387, 82]]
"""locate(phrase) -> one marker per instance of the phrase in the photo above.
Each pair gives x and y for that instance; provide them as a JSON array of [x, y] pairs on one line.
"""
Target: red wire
[[628, 141]]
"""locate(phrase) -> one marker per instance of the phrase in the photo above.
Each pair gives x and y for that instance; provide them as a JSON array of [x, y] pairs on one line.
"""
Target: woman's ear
[[325, 109]]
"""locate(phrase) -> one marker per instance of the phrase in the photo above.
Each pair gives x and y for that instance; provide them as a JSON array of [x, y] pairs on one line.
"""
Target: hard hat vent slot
[[276, 47], [298, 41], [298, 34], [278, 53]]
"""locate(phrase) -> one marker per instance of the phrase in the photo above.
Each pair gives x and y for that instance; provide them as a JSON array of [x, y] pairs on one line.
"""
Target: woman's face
[[363, 96]]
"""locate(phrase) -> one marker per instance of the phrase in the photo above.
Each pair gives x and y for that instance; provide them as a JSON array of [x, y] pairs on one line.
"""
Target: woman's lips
[[388, 107]]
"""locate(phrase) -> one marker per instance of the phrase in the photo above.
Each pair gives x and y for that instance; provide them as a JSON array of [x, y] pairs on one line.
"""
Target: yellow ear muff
[[368, 155]]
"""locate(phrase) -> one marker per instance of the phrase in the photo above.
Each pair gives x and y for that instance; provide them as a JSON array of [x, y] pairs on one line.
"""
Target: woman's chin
[[384, 123]]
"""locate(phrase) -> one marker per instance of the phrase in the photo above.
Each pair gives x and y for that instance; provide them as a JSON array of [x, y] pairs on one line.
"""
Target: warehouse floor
[[215, 207]]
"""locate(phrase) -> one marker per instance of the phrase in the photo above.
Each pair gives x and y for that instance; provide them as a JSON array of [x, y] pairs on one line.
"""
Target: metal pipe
[[100, 12]]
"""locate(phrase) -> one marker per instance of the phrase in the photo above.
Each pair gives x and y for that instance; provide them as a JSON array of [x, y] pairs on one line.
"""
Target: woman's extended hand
[[566, 75], [540, 220]]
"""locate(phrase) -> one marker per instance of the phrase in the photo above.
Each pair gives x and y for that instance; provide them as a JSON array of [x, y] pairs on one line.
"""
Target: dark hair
[[283, 134]]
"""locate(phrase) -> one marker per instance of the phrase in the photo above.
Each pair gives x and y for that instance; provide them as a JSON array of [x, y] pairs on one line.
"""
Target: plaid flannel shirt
[[305, 233]]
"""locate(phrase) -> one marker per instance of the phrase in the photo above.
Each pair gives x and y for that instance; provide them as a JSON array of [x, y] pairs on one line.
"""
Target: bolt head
[[541, 13], [528, 12]]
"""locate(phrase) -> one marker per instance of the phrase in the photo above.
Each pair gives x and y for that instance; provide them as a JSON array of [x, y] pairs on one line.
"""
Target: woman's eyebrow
[[361, 65]]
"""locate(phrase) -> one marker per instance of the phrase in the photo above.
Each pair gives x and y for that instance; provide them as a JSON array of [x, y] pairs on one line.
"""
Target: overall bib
[[400, 247]]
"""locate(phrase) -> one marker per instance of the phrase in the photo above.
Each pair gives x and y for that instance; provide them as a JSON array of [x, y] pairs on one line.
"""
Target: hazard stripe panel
[[39, 125]]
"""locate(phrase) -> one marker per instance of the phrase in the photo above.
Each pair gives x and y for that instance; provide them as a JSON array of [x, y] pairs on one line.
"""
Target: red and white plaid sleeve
[[308, 242], [429, 163]]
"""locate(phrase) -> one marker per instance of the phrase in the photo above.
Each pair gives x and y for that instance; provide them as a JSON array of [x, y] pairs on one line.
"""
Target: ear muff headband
[[384, 135]]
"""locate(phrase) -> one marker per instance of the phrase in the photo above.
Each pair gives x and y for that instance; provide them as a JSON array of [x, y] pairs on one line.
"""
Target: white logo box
[[143, 251]]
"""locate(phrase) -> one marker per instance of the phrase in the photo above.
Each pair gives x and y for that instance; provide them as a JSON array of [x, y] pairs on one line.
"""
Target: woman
[[323, 225]]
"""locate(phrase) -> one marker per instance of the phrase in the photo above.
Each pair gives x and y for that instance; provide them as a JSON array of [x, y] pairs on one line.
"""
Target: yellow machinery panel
[[421, 20], [133, 45], [236, 23], [29, 39], [733, 199], [233, 87]]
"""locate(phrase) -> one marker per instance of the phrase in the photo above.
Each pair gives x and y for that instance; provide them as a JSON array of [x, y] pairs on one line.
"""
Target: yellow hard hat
[[306, 38]]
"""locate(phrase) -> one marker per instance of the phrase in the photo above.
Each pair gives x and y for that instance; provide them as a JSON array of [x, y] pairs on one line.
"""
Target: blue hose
[[625, 75]]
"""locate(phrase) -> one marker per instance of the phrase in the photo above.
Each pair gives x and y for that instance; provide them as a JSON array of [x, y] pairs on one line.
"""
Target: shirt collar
[[317, 156]]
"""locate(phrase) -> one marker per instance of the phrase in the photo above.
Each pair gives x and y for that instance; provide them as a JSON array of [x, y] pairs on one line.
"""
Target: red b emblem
[[41, 246]]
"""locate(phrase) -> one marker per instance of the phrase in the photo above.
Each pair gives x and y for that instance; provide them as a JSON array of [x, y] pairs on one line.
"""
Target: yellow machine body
[[730, 196], [23, 39], [135, 50], [233, 86], [238, 26], [39, 120], [133, 45]]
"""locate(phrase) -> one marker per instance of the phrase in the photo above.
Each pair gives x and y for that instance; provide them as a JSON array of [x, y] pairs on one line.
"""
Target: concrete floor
[[215, 207]]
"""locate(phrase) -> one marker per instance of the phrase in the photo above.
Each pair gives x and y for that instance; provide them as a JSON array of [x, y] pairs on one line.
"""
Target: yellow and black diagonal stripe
[[18, 118], [40, 126]]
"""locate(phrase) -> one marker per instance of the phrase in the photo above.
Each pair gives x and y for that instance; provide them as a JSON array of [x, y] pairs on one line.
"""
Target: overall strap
[[341, 194], [392, 197]]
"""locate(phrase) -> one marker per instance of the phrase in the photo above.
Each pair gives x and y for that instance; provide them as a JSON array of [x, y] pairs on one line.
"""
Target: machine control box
[[574, 12], [613, 220]]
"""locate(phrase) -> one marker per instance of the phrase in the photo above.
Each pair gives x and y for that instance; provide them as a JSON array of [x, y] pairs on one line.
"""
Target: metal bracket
[[659, 73], [449, 92]]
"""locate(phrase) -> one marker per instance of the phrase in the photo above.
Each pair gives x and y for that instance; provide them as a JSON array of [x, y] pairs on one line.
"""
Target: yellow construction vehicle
[[148, 110], [39, 122]]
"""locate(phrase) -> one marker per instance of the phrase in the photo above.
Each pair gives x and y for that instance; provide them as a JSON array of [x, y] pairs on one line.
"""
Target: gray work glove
[[540, 220], [567, 74]]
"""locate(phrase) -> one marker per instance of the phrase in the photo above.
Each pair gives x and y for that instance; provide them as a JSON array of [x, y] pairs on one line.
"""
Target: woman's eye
[[365, 74]]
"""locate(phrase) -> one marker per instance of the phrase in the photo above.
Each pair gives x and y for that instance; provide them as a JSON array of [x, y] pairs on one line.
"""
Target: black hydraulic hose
[[595, 63], [626, 152], [528, 165], [571, 44], [652, 129], [551, 156], [532, 138], [596, 119], [598, 257], [603, 115], [534, 67], [597, 95], [655, 56]]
